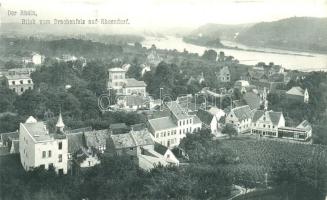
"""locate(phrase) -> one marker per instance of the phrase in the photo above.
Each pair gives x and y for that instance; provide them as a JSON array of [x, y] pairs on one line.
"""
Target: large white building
[[241, 118], [266, 123], [125, 86], [169, 130], [39, 148]]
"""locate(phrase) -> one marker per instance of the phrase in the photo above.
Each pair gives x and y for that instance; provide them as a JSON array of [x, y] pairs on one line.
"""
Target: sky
[[169, 13]]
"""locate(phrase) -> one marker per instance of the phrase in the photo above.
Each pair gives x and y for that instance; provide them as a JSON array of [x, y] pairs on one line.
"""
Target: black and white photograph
[[163, 99]]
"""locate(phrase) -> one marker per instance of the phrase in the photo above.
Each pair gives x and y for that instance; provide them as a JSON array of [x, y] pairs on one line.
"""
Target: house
[[39, 148], [167, 154], [33, 58], [241, 118], [266, 123], [242, 85], [140, 146], [224, 75], [208, 120], [132, 143], [116, 79], [125, 86], [153, 59], [219, 113], [169, 130], [19, 83], [298, 94], [134, 87], [85, 158], [97, 139]]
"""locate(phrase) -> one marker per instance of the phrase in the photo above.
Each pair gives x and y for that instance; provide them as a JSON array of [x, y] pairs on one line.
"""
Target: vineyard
[[254, 163], [260, 156]]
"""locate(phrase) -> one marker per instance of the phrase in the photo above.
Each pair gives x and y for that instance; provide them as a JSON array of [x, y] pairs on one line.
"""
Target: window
[[49, 154], [29, 81], [21, 82], [13, 82], [60, 157], [131, 148], [60, 145], [44, 154], [22, 89]]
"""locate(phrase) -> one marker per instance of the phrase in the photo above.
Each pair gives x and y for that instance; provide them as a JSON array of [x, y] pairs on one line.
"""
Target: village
[[168, 121], [158, 109]]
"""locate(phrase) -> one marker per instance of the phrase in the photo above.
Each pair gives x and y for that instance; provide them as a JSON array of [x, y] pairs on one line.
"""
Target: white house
[[298, 94], [208, 120], [125, 86], [241, 118], [34, 58], [266, 123], [169, 130], [116, 79], [167, 154], [38, 147]]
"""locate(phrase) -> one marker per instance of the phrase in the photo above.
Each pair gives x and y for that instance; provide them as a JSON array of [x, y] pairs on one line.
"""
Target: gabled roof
[[160, 148], [275, 117], [162, 123], [96, 138], [205, 116], [305, 125], [132, 139], [132, 82], [177, 110], [242, 112], [298, 91], [37, 130], [252, 99]]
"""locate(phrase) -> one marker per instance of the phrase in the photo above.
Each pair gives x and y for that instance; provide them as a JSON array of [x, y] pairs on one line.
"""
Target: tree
[[230, 130], [134, 70], [221, 57], [210, 55]]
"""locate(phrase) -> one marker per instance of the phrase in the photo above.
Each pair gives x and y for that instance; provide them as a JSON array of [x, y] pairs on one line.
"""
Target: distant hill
[[297, 33], [211, 34], [221, 31]]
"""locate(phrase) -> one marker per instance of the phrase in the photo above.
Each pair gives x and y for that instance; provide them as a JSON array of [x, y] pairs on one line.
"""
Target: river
[[303, 61]]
